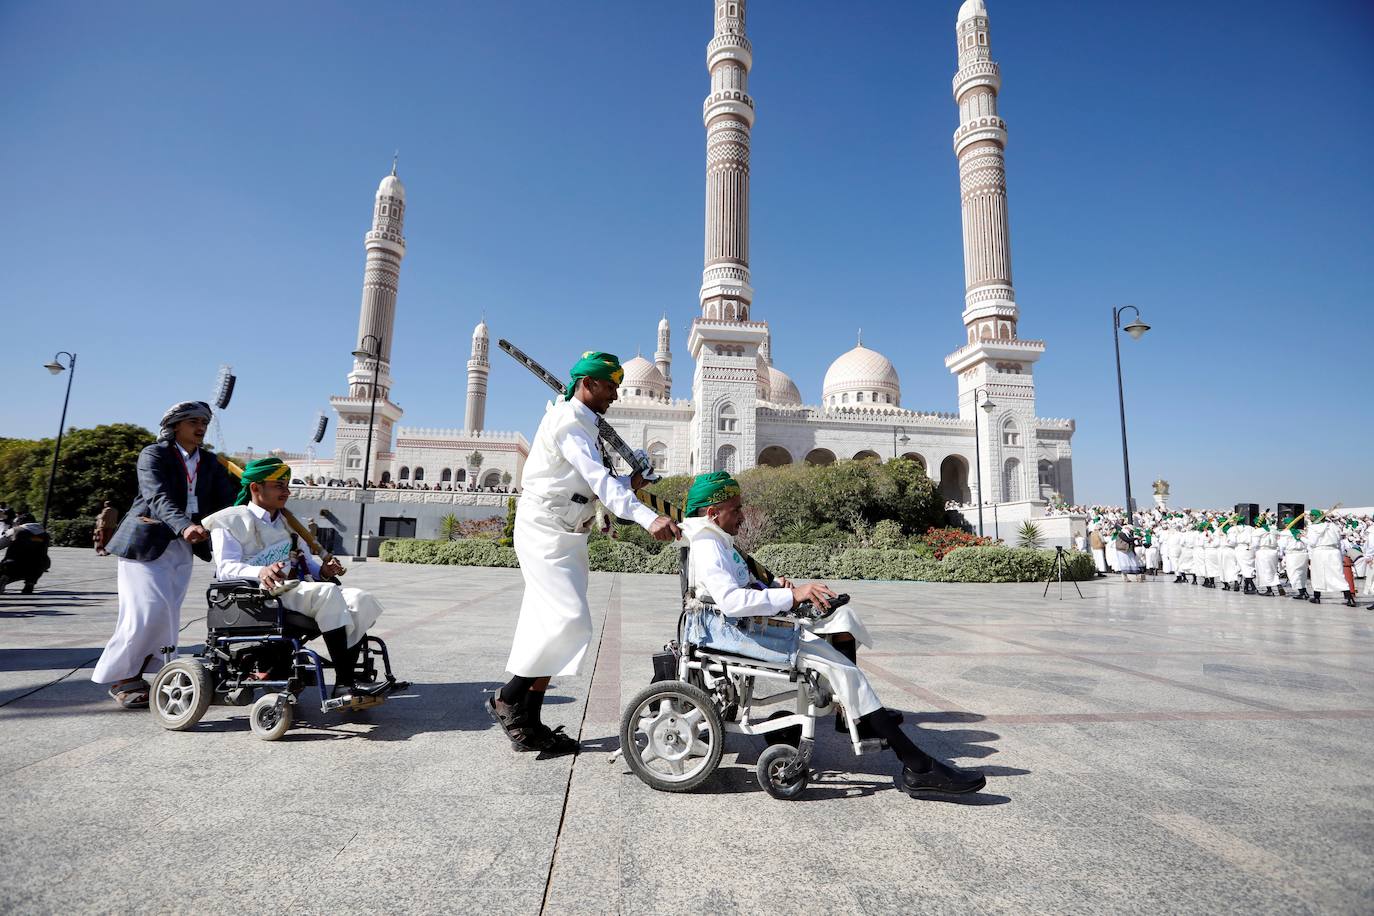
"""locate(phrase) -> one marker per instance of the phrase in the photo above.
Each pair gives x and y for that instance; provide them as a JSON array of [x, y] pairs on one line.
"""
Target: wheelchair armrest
[[236, 585]]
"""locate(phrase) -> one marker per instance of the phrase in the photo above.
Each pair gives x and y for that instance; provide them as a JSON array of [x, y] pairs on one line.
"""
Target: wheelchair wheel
[[672, 736], [180, 694], [769, 770], [267, 721]]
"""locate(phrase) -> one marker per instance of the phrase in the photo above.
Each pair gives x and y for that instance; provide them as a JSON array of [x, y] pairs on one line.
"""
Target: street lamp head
[[988, 406], [1136, 328], [904, 440], [54, 367], [362, 354]]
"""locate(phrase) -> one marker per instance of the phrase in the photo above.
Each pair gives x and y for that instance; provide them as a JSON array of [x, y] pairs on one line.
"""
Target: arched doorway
[[775, 456], [727, 459], [954, 479], [386, 477], [867, 455], [492, 479], [820, 456], [1011, 480], [1049, 479], [919, 459]]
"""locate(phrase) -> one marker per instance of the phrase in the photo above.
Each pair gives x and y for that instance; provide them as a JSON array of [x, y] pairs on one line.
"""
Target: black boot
[[1316, 598], [1250, 587], [1195, 580], [1302, 594], [1226, 586], [1269, 591], [1349, 599], [1281, 591]]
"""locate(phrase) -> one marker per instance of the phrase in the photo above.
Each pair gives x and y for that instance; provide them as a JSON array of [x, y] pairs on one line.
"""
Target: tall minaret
[[724, 341], [663, 357], [728, 113], [386, 246], [479, 367], [993, 357]]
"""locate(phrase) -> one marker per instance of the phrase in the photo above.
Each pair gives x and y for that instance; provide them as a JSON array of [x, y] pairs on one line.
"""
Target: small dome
[[642, 379], [481, 329], [782, 388], [862, 376], [972, 8], [663, 323], [391, 187]]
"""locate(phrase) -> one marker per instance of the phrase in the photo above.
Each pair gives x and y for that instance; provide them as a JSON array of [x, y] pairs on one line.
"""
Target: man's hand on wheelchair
[[272, 575], [331, 568], [814, 592]]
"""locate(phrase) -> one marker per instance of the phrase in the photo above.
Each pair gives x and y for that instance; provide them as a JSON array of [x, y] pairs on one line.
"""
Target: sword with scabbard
[[291, 520], [638, 465]]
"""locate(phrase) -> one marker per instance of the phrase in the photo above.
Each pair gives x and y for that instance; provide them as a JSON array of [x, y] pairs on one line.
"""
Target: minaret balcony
[[739, 104], [977, 73], [730, 46], [994, 129]]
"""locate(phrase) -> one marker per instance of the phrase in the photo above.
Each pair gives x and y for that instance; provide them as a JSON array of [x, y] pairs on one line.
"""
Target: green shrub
[[468, 552], [887, 534], [607, 555], [803, 561], [448, 527], [1011, 564], [75, 532]]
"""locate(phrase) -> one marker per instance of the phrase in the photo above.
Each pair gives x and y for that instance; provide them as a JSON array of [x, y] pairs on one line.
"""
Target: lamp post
[[1136, 329], [56, 367], [988, 407], [904, 440], [375, 354]]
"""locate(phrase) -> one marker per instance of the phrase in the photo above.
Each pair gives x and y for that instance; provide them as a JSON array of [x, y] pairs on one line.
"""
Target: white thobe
[[1211, 555], [1368, 558], [1324, 543], [1267, 560], [1244, 537], [719, 572], [1295, 558], [1226, 550], [246, 539], [551, 528], [150, 597]]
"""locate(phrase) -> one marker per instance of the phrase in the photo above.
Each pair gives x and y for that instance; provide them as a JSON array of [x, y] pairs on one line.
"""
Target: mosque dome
[[663, 323], [972, 8], [862, 376], [782, 389], [481, 329], [642, 379], [391, 187]]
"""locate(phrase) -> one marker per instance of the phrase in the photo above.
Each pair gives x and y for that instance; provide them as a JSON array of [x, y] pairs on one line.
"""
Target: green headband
[[709, 490], [594, 364], [257, 471]]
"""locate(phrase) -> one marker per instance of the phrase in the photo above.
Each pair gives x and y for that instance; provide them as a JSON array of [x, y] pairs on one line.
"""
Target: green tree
[[96, 464], [1028, 535]]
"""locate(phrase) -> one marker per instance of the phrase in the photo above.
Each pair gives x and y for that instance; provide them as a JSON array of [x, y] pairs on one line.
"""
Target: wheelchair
[[672, 733], [254, 643]]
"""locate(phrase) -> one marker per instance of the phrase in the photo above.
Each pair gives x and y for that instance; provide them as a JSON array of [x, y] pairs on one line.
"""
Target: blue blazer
[[158, 515]]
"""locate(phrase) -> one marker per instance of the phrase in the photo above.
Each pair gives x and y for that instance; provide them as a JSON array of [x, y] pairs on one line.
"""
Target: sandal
[[553, 742], [523, 736], [131, 694]]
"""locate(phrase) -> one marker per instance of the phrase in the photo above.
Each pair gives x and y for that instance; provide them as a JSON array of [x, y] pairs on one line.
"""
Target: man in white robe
[[252, 540], [1295, 558], [563, 477], [1243, 536], [1267, 559], [720, 577], [1323, 539]]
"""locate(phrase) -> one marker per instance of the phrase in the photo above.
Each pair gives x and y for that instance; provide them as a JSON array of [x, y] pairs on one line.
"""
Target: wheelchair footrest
[[870, 746]]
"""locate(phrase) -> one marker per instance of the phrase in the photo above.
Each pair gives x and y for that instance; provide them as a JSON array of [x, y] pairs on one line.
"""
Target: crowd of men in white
[[1317, 553]]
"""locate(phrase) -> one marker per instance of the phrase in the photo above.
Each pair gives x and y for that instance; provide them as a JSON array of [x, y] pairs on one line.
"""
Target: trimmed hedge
[[799, 561], [75, 532]]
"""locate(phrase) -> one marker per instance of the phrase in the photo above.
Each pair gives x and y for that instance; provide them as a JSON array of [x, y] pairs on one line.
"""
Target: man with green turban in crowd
[[1323, 539], [252, 540], [563, 478], [720, 578]]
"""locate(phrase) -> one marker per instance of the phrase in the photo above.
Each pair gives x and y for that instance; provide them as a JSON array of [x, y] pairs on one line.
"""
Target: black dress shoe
[[1315, 599], [941, 779]]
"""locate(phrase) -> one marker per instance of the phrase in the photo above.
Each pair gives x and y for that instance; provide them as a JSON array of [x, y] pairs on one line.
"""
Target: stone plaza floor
[[1150, 748]]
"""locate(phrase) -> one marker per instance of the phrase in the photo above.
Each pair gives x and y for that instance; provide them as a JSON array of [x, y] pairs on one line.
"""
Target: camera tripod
[[1058, 573]]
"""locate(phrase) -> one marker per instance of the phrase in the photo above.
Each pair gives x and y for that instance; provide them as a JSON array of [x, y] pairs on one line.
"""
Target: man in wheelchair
[[722, 578], [251, 540]]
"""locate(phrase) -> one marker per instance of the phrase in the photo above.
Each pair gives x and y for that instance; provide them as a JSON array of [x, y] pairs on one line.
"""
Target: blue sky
[[190, 184]]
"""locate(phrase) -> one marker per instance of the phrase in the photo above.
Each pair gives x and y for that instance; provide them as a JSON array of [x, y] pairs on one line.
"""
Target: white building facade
[[744, 411]]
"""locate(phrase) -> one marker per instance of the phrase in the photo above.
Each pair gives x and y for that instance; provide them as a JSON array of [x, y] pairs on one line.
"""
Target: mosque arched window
[[460, 476], [353, 460], [844, 398], [405, 473], [727, 421], [419, 473], [446, 476], [859, 397], [658, 455]]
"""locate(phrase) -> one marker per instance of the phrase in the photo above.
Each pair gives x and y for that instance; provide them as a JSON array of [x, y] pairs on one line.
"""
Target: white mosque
[[743, 410]]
